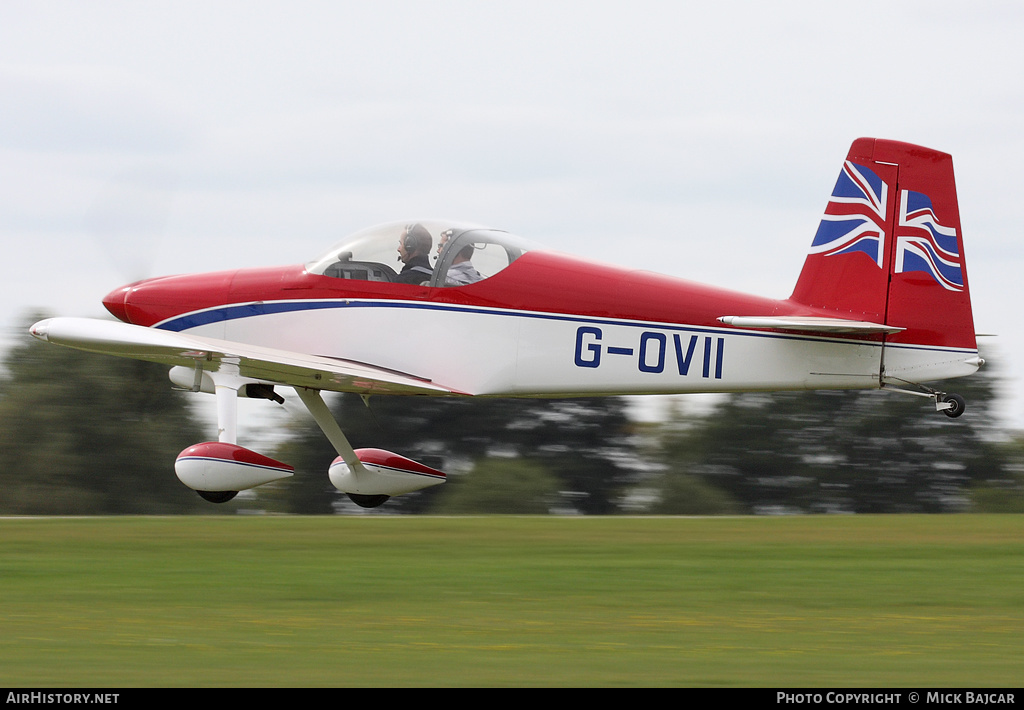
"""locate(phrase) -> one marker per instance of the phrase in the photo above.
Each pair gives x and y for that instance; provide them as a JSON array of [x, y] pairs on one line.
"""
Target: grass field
[[504, 601]]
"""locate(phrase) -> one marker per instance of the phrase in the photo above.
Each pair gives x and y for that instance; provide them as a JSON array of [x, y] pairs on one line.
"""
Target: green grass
[[405, 601]]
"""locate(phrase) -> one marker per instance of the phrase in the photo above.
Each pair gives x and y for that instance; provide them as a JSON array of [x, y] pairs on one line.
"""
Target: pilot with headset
[[413, 251]]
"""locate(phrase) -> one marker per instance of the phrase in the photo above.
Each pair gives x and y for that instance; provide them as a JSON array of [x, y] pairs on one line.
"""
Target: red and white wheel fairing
[[385, 473], [220, 466]]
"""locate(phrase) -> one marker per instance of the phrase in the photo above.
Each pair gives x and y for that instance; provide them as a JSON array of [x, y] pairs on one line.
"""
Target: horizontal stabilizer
[[808, 324]]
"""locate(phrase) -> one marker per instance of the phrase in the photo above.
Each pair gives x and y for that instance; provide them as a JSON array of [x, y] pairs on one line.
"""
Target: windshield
[[423, 252]]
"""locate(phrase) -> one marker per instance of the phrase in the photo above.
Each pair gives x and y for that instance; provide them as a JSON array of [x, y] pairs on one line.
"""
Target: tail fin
[[889, 248]]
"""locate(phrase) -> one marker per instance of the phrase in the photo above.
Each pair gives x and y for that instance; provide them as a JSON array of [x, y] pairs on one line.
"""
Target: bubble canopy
[[459, 253]]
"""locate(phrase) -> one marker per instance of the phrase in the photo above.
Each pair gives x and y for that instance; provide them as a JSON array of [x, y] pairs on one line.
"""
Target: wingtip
[[40, 330]]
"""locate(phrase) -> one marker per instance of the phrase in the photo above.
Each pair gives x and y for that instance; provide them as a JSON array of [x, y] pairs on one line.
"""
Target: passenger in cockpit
[[461, 272], [413, 250]]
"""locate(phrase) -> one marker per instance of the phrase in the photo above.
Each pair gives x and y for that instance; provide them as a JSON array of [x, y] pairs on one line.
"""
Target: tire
[[364, 501], [958, 405], [217, 496]]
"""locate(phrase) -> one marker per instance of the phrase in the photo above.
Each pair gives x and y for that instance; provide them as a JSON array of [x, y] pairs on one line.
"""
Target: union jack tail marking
[[855, 217], [922, 244]]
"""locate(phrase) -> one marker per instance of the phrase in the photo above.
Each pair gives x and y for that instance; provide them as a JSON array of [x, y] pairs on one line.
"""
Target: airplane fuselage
[[547, 325]]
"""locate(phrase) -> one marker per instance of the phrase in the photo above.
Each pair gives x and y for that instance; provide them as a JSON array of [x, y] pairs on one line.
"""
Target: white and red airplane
[[882, 302]]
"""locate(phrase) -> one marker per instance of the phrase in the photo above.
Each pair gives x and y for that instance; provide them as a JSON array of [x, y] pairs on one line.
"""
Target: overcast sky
[[697, 139]]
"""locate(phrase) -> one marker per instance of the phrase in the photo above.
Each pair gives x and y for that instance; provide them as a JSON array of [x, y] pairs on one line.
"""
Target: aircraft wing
[[255, 362], [809, 324]]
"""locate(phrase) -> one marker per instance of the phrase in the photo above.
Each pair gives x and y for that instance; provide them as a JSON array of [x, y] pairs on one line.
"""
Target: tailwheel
[[217, 496], [955, 405], [365, 501], [952, 405]]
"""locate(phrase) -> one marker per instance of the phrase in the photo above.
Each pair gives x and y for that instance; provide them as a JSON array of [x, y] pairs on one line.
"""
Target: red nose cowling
[[114, 302], [154, 300]]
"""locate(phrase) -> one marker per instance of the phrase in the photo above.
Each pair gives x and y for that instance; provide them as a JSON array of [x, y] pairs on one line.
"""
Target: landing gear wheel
[[364, 501], [217, 496], [957, 405]]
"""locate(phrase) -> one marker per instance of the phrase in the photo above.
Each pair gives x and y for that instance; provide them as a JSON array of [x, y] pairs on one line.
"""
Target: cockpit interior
[[459, 254]]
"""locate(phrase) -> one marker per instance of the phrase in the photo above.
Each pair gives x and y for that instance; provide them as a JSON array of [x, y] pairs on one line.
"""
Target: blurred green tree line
[[84, 434]]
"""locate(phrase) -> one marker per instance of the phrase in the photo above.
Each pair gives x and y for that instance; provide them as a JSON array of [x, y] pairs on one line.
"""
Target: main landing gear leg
[[226, 390], [318, 408]]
